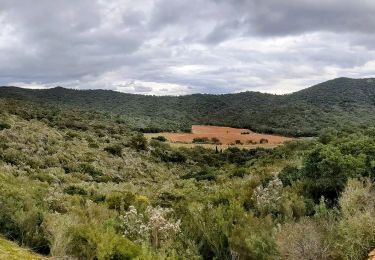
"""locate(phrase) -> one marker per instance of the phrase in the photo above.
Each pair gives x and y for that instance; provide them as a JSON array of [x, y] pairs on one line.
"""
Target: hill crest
[[334, 103]]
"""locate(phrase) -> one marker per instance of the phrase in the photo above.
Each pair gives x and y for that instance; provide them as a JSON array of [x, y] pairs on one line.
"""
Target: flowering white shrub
[[268, 199], [133, 224], [157, 225], [162, 227]]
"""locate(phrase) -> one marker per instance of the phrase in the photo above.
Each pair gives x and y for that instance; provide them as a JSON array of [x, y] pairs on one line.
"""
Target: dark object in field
[[201, 140], [160, 138]]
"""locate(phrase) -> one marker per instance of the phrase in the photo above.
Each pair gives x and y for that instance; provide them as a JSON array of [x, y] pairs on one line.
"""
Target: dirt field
[[226, 135]]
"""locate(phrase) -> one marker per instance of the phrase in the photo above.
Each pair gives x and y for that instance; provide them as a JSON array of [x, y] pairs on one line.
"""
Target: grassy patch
[[10, 250]]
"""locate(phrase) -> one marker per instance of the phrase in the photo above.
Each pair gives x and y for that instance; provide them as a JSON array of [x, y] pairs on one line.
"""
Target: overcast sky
[[174, 47]]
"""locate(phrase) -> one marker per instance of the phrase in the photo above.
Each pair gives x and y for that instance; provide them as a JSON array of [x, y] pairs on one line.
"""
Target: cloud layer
[[174, 47]]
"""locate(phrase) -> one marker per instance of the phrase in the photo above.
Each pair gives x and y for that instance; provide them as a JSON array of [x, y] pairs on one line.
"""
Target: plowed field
[[225, 135]]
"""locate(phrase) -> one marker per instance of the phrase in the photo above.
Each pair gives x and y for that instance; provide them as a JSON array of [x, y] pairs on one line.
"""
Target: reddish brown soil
[[226, 135]]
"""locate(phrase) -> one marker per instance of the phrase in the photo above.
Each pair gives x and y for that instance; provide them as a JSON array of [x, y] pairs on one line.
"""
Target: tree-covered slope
[[339, 102]]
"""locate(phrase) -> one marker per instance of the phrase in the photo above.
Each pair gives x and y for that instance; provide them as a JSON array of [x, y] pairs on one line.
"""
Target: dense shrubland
[[80, 183], [334, 103]]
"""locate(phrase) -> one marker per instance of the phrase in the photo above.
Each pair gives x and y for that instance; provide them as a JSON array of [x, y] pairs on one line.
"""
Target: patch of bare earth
[[226, 135]]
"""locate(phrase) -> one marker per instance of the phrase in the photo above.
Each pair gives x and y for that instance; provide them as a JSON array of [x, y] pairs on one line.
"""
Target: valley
[[187, 130], [122, 180]]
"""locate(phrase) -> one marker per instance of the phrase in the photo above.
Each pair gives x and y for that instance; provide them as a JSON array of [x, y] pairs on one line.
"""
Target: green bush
[[21, 214], [4, 125], [237, 142], [70, 135], [90, 169], [289, 174], [205, 174], [114, 149], [327, 170], [201, 140], [114, 201], [120, 200], [356, 228], [253, 238], [75, 190], [170, 156], [138, 142], [160, 138], [215, 140], [88, 233], [239, 172]]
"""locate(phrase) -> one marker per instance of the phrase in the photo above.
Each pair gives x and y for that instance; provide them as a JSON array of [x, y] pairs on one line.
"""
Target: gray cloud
[[274, 17], [180, 47]]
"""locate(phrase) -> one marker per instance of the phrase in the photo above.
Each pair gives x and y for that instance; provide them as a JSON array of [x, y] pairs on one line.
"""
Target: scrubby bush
[[120, 200], [88, 234], [302, 240], [90, 169], [4, 125], [114, 149], [138, 142], [75, 190], [289, 174], [21, 214], [70, 135], [327, 135], [210, 227], [215, 140], [239, 172], [155, 226], [237, 142], [114, 201], [170, 156], [327, 170], [200, 140], [204, 174], [268, 198], [160, 138], [253, 238], [356, 228]]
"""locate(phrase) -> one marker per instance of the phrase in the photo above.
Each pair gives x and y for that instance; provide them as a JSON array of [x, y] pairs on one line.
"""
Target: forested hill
[[337, 103]]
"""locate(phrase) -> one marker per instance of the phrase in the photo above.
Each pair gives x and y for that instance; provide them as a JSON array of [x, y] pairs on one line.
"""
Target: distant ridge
[[339, 102]]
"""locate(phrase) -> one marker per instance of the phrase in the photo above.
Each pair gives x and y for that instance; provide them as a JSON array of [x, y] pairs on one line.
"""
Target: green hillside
[[341, 102], [82, 184]]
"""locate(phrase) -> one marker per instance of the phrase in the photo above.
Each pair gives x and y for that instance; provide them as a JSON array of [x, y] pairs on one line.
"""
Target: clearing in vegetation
[[224, 136]]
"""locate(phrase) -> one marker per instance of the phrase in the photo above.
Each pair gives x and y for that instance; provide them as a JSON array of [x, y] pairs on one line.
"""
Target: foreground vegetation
[[82, 184]]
